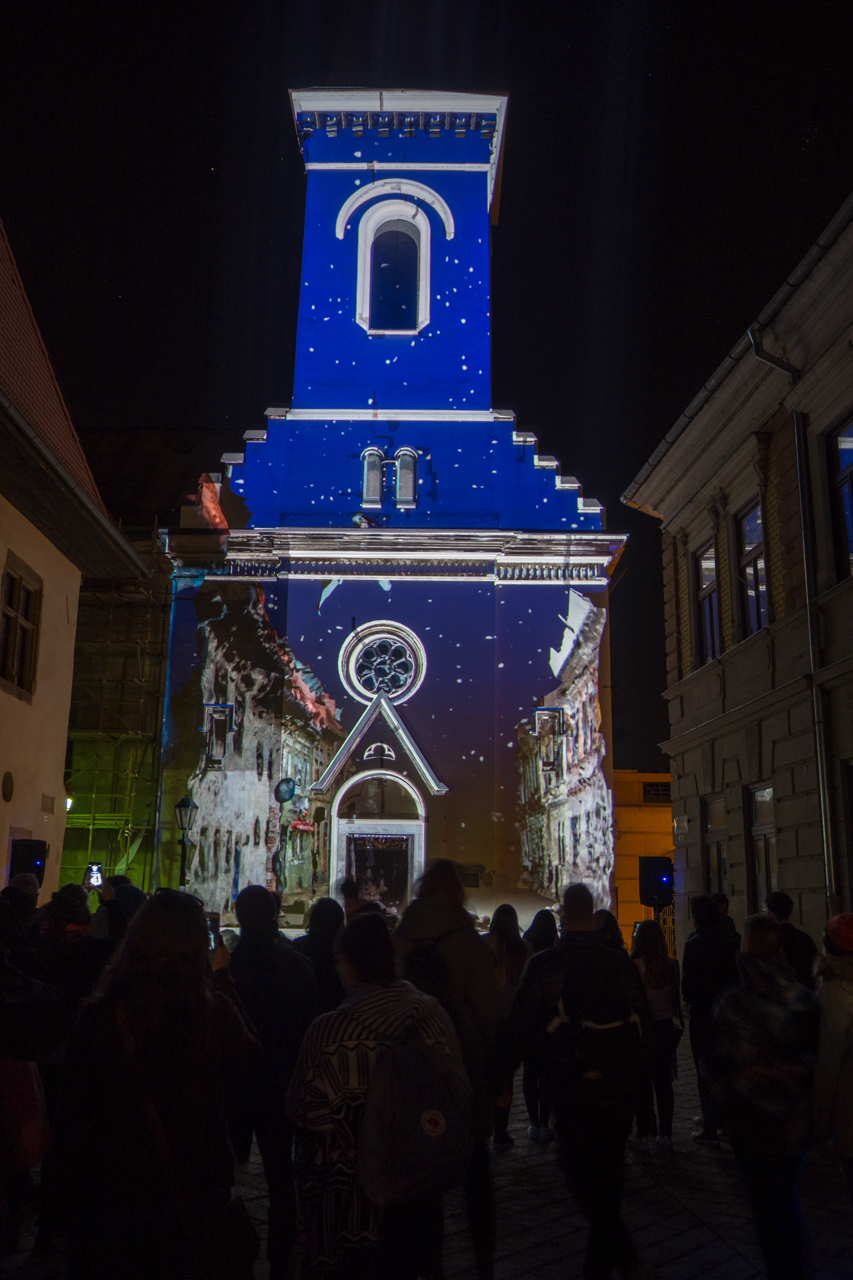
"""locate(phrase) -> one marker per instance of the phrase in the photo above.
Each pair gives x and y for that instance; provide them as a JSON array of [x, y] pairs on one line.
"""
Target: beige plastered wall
[[33, 734]]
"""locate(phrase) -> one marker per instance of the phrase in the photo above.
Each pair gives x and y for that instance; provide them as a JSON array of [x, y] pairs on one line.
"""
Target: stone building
[[752, 486]]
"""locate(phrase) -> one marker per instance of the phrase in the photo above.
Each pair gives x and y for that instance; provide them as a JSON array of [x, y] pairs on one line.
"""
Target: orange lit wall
[[640, 829]]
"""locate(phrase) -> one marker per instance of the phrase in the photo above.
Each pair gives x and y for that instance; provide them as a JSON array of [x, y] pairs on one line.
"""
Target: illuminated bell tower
[[444, 582]]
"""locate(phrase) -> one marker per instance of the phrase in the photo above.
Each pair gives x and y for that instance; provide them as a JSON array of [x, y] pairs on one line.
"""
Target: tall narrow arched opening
[[378, 837]]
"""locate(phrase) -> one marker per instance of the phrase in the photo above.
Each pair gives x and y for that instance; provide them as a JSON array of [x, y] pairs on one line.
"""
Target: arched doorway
[[378, 837]]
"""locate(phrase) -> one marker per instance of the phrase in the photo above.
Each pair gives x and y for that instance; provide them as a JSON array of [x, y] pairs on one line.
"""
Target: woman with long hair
[[542, 932], [318, 947], [659, 973], [510, 952], [143, 1149], [541, 935]]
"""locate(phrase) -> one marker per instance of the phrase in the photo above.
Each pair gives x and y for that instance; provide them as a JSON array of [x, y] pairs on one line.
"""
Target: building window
[[657, 793], [19, 625], [709, 608], [394, 277], [765, 860], [220, 722], [382, 657], [373, 462], [841, 466], [392, 290], [407, 478], [716, 864], [752, 574]]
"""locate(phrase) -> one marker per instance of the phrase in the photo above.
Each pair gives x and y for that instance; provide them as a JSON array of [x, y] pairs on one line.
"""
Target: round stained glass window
[[382, 657]]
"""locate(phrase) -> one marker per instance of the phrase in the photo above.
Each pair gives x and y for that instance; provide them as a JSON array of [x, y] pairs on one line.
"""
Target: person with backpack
[[583, 1001], [440, 952], [762, 1063], [660, 978], [382, 1112]]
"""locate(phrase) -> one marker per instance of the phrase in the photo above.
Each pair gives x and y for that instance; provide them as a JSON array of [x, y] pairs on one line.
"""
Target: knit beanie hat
[[839, 930]]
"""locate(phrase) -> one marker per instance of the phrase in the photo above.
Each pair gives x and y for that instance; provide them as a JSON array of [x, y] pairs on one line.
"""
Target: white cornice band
[[392, 415]]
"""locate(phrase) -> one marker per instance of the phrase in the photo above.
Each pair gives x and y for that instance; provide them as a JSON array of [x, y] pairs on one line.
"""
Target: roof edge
[[112, 534], [801, 272]]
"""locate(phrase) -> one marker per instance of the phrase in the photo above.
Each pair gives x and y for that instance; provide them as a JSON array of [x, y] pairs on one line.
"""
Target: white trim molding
[[370, 226], [390, 415], [395, 186], [381, 704], [403, 166]]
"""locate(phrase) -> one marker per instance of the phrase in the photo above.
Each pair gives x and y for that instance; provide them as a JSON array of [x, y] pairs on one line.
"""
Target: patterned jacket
[[325, 1101], [765, 1044]]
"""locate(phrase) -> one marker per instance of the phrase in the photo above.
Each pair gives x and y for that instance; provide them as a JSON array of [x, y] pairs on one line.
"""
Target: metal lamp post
[[185, 812]]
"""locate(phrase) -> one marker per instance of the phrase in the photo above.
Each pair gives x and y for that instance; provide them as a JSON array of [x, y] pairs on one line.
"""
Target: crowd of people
[[374, 1067]]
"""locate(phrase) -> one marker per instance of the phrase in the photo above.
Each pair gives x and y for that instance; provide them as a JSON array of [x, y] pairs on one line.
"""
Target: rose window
[[382, 657], [385, 665]]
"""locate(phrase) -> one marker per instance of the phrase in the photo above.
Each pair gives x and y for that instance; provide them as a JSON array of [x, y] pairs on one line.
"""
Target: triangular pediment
[[384, 707]]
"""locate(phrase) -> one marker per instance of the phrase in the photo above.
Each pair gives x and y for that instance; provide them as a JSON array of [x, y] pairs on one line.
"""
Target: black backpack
[[594, 1037]]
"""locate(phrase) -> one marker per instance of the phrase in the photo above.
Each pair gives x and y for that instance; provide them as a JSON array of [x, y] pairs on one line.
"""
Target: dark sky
[[667, 163]]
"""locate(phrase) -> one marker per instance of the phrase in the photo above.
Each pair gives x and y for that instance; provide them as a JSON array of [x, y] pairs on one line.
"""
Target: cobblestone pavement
[[685, 1210]]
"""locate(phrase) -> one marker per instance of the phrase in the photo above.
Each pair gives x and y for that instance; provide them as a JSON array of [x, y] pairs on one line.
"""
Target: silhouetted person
[[33, 1023], [151, 1056], [351, 896], [659, 975], [584, 1000], [510, 953], [342, 1233], [762, 1066], [799, 947], [607, 928], [439, 950], [279, 991], [318, 947], [833, 1084], [541, 935], [728, 924], [709, 967]]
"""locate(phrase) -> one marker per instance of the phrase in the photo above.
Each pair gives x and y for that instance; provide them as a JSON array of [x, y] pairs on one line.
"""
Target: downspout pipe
[[833, 898]]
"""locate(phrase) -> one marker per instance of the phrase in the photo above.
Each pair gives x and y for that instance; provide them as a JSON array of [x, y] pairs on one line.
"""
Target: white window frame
[[403, 502], [368, 229], [372, 456]]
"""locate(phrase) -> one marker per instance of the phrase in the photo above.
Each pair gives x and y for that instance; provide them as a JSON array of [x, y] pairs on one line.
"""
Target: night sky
[[667, 163]]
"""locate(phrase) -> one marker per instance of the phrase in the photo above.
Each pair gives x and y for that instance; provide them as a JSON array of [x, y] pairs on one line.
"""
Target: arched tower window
[[393, 268], [394, 276], [373, 462], [407, 478]]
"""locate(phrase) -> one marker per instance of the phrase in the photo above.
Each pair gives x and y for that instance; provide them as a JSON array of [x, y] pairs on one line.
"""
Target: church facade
[[388, 637]]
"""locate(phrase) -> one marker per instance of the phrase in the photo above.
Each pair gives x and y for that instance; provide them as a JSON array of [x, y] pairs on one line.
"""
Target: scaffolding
[[113, 758]]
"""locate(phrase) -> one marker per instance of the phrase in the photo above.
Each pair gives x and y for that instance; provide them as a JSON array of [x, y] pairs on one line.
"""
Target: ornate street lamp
[[185, 812]]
